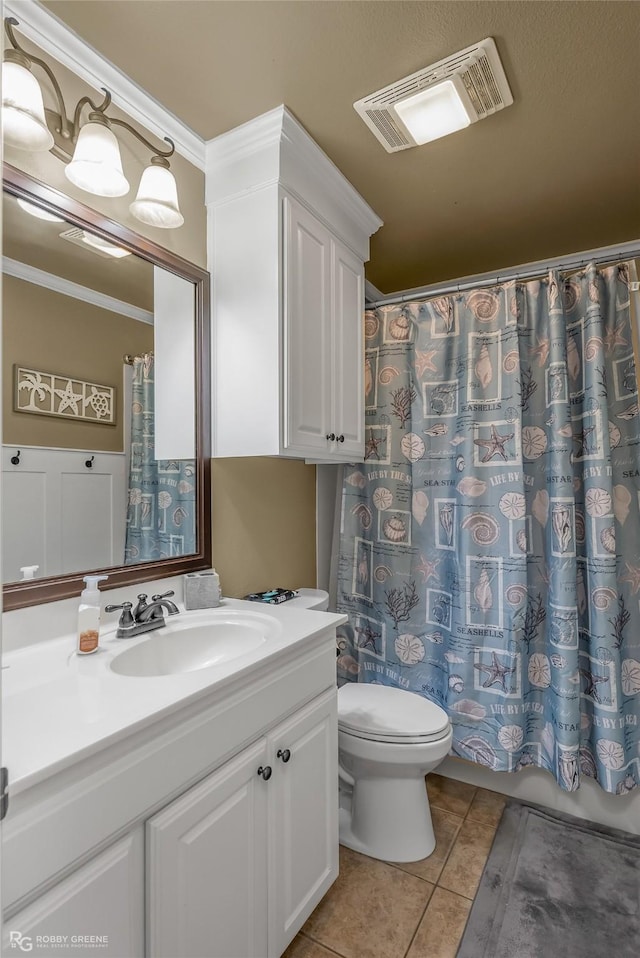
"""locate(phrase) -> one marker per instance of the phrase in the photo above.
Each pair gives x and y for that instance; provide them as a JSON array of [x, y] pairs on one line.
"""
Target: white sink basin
[[186, 647]]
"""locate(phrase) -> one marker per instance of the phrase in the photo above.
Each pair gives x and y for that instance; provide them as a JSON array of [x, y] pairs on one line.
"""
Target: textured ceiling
[[555, 173]]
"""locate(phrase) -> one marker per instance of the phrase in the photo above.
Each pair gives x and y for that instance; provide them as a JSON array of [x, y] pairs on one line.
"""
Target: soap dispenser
[[89, 615]]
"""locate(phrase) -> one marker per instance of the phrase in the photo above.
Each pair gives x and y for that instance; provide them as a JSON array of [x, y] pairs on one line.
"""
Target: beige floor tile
[[442, 927], [463, 869], [446, 827], [450, 795], [372, 911], [487, 807], [303, 947]]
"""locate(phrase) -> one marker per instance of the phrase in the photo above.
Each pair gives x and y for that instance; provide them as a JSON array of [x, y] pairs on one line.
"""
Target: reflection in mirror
[[102, 398]]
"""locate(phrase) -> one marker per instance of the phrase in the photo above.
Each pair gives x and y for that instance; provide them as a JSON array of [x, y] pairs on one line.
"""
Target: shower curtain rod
[[538, 269]]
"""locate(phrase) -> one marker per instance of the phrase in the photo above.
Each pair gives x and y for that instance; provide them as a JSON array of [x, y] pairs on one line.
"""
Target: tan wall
[[263, 524], [263, 509], [48, 331]]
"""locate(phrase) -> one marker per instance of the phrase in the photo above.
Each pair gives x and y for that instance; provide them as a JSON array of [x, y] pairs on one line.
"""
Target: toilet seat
[[383, 714]]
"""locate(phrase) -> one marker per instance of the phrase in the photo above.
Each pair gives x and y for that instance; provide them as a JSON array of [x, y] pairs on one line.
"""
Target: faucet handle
[[126, 620], [165, 595]]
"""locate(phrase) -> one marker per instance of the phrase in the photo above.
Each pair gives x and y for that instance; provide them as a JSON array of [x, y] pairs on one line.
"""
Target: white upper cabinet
[[288, 239]]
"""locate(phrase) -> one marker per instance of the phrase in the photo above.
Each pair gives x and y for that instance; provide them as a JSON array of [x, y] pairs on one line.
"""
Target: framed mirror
[[106, 379]]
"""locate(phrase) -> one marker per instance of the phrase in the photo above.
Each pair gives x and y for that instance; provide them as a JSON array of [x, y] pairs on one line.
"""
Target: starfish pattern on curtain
[[490, 542]]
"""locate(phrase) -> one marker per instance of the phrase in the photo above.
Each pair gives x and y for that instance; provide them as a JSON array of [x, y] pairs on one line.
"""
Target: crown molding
[[39, 277], [56, 39]]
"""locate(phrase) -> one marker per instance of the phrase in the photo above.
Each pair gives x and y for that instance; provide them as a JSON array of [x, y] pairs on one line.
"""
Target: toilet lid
[[389, 715]]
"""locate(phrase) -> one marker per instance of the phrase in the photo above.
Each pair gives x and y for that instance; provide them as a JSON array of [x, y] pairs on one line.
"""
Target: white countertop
[[59, 707]]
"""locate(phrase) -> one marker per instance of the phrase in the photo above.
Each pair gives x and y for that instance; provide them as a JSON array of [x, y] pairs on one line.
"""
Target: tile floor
[[417, 910]]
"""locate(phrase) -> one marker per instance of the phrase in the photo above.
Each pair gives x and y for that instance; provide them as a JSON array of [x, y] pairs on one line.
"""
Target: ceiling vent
[[477, 75]]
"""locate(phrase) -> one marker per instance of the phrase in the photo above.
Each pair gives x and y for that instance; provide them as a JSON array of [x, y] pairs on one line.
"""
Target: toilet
[[388, 740]]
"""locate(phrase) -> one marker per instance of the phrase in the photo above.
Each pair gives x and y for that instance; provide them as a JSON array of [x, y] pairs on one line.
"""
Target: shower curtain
[[490, 543], [161, 498]]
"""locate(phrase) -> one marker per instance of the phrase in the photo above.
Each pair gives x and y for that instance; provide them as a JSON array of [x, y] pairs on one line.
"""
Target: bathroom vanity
[[190, 813]]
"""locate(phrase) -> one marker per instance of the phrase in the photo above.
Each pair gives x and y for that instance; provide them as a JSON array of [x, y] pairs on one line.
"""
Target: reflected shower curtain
[[161, 499], [490, 543]]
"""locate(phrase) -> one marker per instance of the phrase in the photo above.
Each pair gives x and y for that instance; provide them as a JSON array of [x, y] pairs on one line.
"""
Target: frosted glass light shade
[[433, 112], [39, 212], [156, 203], [23, 121], [96, 165]]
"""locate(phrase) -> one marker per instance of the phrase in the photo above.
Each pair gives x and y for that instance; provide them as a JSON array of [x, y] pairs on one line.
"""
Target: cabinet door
[[207, 866], [307, 331], [348, 354], [98, 907], [304, 817]]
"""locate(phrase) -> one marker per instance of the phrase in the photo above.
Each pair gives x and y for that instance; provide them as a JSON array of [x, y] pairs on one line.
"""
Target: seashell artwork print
[[346, 663], [592, 348], [534, 442], [581, 530], [381, 573], [598, 502], [511, 361], [521, 540], [561, 525], [412, 447], [621, 503], [629, 413], [400, 328], [445, 517], [483, 367], [539, 671], [371, 325], [479, 751], [440, 429], [395, 529], [357, 479], [510, 737], [512, 505], [460, 464], [610, 753], [630, 676], [409, 649], [608, 540], [388, 374], [540, 507], [435, 638], [482, 592], [601, 599], [558, 661], [470, 708], [363, 512], [456, 683], [483, 304], [515, 595], [573, 359], [484, 528], [419, 506], [368, 378], [470, 486], [184, 486], [382, 498], [614, 435]]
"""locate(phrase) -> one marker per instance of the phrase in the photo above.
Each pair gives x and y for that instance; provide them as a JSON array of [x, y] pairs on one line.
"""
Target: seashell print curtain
[[161, 499], [490, 542]]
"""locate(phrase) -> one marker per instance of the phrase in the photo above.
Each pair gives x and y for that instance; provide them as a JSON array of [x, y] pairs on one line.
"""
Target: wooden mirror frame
[[17, 595]]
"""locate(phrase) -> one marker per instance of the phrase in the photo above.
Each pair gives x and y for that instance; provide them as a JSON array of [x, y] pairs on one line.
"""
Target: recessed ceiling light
[[41, 214], [104, 245]]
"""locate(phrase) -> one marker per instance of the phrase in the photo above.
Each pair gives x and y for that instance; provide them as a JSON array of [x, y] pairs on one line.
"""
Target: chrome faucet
[[145, 617]]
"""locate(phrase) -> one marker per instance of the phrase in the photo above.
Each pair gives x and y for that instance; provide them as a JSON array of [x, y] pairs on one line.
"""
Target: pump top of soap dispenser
[[91, 592]]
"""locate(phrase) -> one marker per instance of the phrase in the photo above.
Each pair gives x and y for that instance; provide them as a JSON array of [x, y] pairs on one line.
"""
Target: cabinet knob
[[265, 772], [284, 754], [331, 436], [341, 438]]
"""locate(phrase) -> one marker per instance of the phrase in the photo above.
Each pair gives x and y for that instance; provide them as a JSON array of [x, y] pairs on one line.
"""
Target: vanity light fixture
[[38, 212], [439, 99], [89, 148]]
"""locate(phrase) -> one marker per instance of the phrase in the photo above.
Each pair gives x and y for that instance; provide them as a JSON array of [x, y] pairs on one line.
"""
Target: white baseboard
[[538, 786]]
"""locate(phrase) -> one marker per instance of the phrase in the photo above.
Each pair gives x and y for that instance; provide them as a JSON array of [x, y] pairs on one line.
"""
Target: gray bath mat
[[555, 886]]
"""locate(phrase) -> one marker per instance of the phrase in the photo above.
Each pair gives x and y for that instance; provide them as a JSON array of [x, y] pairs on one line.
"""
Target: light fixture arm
[[64, 127]]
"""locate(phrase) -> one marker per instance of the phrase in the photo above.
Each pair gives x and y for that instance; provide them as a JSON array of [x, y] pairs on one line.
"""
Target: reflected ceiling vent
[[439, 99], [95, 243]]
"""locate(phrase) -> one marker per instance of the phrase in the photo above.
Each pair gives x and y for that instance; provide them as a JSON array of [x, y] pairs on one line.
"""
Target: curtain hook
[[15, 460], [89, 462]]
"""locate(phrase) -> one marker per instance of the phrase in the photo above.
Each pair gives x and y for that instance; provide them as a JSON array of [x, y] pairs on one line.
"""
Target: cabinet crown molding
[[276, 149]]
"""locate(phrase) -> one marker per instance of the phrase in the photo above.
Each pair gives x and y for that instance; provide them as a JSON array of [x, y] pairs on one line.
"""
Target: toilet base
[[389, 820]]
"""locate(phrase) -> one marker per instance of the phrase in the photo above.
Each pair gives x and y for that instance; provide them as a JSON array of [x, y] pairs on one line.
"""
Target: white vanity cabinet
[[288, 239], [237, 864], [99, 906]]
